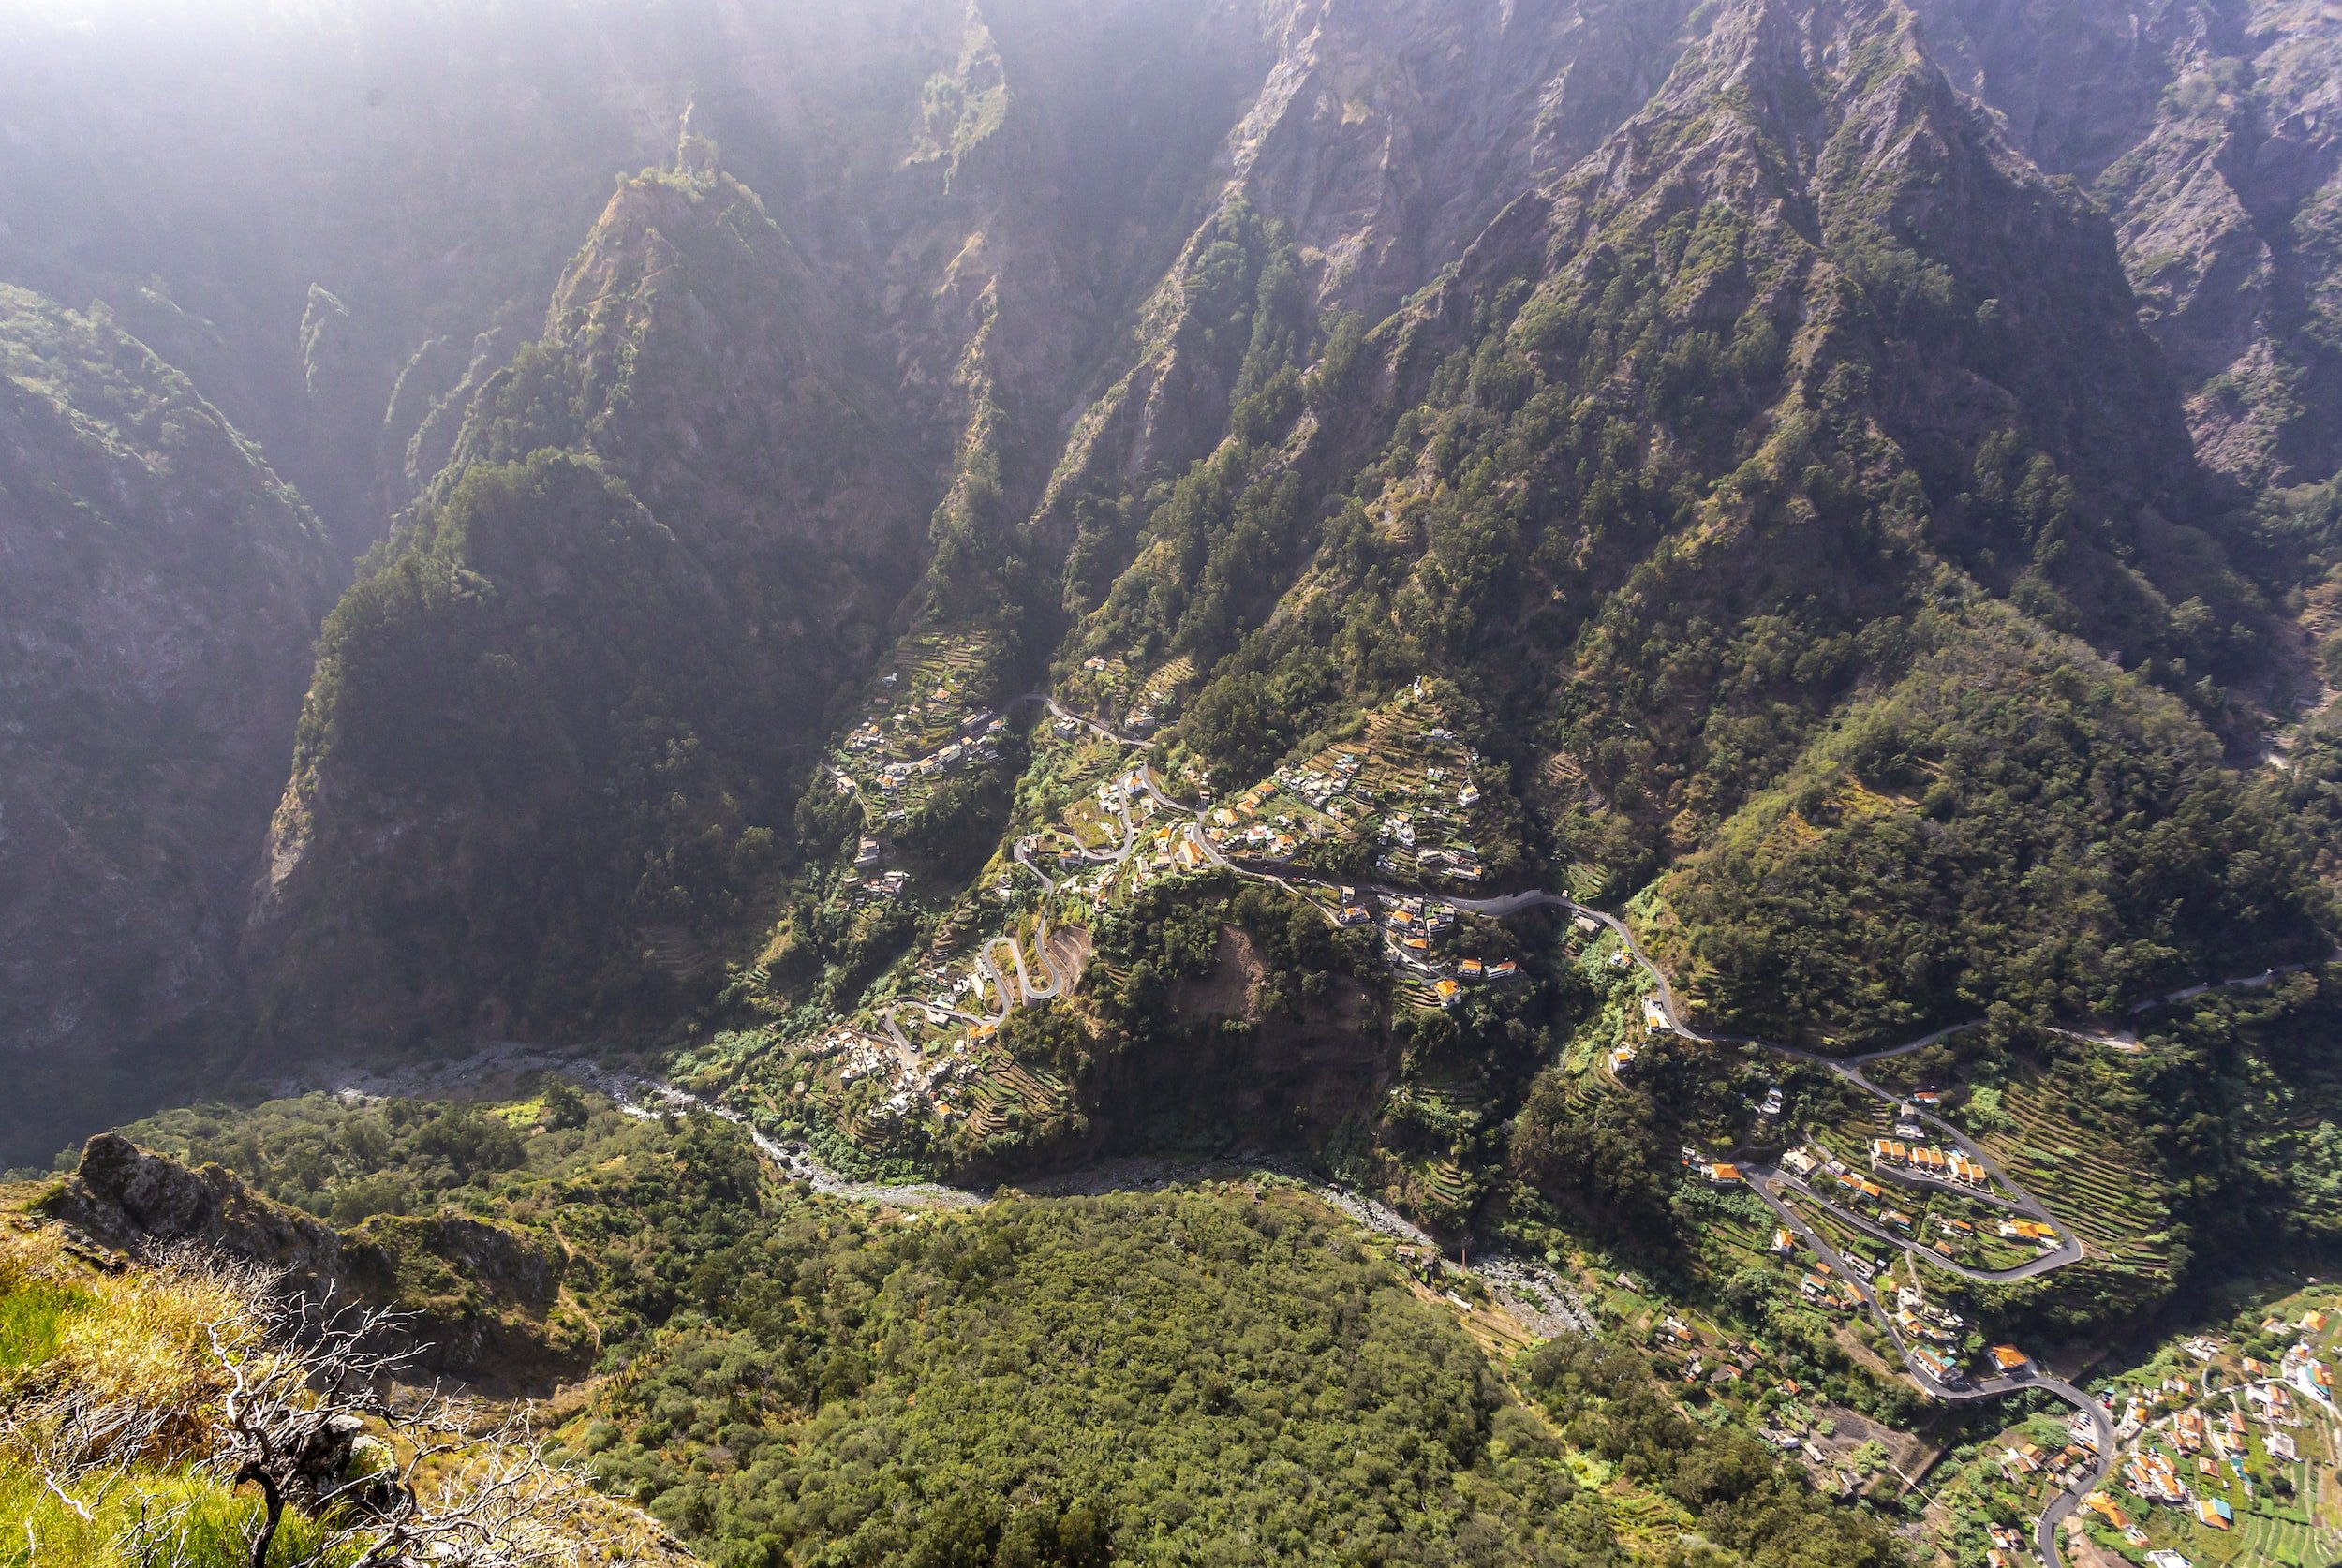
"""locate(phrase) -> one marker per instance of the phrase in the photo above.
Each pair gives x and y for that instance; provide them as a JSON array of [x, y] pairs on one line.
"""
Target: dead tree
[[296, 1403], [305, 1404], [436, 1490]]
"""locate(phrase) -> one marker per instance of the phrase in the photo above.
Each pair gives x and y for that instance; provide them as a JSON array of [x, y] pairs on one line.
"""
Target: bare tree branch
[[303, 1401]]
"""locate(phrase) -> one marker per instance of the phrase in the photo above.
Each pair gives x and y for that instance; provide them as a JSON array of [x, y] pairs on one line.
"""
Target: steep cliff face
[[1387, 137], [791, 409], [287, 203], [1742, 339], [159, 584], [1673, 386], [2209, 129], [561, 720], [1797, 378]]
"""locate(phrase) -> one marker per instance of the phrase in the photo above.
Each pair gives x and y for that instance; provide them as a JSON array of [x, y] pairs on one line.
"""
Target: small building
[[2009, 1359]]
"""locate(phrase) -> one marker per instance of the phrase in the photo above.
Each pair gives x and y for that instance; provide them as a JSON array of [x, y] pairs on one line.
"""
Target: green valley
[[972, 782]]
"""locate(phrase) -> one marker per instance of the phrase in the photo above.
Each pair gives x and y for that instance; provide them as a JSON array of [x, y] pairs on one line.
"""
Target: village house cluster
[[909, 1082], [922, 722], [866, 880], [2063, 1465], [2206, 1447], [1415, 932], [1940, 1164], [975, 738]]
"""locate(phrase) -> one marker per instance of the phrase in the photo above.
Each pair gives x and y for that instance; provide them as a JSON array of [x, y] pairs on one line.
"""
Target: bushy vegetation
[[632, 1204], [1066, 1382], [2016, 823], [1219, 1375], [1602, 1398], [210, 1526], [132, 1355]]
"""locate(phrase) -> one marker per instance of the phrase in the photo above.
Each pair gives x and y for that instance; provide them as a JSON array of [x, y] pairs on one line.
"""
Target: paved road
[[1763, 1179], [1058, 711], [887, 1020], [1030, 993], [2064, 1504], [999, 983], [1767, 1184], [1022, 854], [2066, 1252]]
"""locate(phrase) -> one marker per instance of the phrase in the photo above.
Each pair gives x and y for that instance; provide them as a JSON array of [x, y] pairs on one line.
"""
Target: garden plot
[[2082, 1176], [929, 715], [1402, 794]]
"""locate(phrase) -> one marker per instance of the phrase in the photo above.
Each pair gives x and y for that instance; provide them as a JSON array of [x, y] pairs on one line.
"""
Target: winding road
[[1766, 1181]]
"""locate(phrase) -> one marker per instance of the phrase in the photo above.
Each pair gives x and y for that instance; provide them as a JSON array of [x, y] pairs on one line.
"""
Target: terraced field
[[2108, 1199], [1446, 1184], [1649, 1526], [918, 707], [1007, 1091]]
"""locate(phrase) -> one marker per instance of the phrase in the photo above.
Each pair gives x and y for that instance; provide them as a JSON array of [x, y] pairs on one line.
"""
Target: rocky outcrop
[[2211, 130], [483, 1299], [134, 1200], [477, 1299]]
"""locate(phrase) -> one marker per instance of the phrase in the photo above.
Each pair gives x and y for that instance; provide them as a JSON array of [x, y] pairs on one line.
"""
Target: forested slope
[[559, 716], [1231, 1374], [1767, 451], [158, 583], [1791, 389]]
